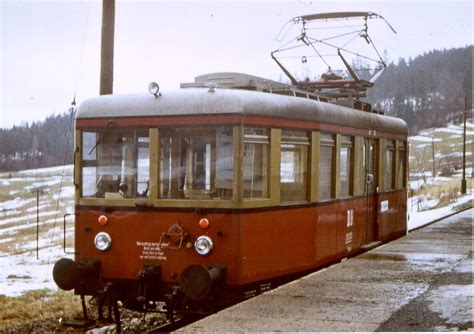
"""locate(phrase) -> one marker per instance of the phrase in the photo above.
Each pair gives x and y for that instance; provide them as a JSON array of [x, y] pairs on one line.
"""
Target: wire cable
[[68, 137]]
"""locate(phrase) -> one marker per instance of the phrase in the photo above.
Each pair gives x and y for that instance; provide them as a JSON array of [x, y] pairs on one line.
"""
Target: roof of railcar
[[202, 101]]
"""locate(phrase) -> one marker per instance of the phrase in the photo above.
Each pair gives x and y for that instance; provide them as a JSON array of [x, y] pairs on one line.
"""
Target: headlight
[[102, 241], [203, 245], [154, 88]]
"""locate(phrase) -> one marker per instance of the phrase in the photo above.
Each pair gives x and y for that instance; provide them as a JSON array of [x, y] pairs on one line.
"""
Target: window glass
[[389, 161], [196, 163], [89, 162], [115, 163], [365, 171], [326, 166], [345, 171], [372, 166], [256, 159], [401, 166], [294, 166]]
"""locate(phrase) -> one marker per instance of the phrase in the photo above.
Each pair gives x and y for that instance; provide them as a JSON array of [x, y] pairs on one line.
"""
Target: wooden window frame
[[346, 141], [390, 148], [304, 140], [334, 142], [401, 151]]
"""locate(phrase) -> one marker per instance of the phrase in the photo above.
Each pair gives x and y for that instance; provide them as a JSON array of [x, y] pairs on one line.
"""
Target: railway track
[[152, 322], [177, 324]]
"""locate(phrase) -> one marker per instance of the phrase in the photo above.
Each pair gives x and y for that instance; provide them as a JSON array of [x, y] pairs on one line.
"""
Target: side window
[[401, 176], [346, 162], [326, 166], [389, 162], [256, 159], [294, 166]]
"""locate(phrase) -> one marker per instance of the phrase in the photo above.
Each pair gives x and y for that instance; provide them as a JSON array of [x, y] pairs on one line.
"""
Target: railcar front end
[[183, 247]]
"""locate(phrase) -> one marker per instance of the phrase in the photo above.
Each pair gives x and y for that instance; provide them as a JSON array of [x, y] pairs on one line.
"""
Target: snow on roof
[[202, 101]]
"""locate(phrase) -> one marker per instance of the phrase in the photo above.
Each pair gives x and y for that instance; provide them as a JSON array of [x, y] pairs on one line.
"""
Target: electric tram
[[214, 193]]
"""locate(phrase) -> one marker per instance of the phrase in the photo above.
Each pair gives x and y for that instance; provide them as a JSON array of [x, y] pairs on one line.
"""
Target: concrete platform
[[421, 282]]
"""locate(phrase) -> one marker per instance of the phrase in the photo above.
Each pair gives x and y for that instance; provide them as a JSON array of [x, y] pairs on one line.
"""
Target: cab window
[[196, 163], [115, 163]]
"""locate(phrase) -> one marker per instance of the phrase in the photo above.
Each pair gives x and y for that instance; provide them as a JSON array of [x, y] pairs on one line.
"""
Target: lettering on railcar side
[[265, 287], [350, 218], [250, 293]]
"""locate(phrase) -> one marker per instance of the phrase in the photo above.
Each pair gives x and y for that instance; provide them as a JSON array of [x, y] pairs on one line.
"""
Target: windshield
[[196, 163], [115, 163]]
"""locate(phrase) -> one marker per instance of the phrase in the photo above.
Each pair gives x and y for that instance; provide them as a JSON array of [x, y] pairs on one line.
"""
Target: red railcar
[[216, 192]]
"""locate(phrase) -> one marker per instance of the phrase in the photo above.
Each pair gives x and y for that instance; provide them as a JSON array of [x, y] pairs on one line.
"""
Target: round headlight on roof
[[203, 245], [102, 241], [154, 88]]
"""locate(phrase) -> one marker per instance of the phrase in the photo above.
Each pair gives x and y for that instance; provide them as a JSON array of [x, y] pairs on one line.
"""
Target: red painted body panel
[[255, 245], [130, 229]]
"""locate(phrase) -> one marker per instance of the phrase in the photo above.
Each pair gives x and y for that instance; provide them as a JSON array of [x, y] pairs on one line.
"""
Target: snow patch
[[417, 219], [55, 170], [15, 203], [422, 139], [453, 302]]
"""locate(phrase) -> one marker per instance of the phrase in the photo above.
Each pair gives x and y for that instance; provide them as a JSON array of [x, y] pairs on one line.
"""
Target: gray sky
[[50, 51]]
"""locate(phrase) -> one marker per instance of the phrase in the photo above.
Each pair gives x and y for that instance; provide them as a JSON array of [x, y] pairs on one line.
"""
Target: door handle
[[369, 178]]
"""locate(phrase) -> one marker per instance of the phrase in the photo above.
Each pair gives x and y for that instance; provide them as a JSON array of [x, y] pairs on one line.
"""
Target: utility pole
[[463, 181], [107, 47]]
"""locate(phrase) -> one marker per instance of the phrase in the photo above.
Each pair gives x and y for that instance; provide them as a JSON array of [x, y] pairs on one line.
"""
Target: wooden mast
[[107, 47]]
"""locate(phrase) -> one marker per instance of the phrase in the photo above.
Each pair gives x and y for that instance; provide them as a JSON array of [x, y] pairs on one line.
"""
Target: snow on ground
[[419, 218], [16, 203], [23, 272], [25, 219], [20, 270], [54, 170], [50, 181], [65, 192], [417, 184], [454, 132], [423, 139]]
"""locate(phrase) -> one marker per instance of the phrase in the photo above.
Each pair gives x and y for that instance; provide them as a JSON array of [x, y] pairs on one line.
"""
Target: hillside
[[436, 165], [427, 91]]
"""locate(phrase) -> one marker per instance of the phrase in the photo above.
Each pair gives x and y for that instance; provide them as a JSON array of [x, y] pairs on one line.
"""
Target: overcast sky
[[50, 51]]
